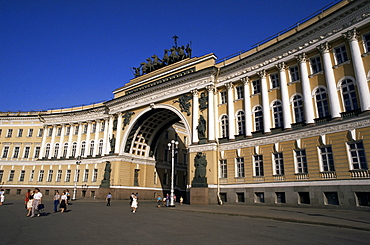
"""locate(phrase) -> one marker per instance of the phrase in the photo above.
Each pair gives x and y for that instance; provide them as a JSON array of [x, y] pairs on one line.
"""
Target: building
[[284, 123]]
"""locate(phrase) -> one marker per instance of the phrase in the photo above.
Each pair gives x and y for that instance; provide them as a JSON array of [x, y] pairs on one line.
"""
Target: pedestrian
[[63, 202], [164, 201], [167, 200], [27, 198], [37, 199], [181, 200], [174, 198], [159, 200], [56, 200], [134, 204], [30, 203], [68, 196], [137, 199], [131, 198], [109, 197], [2, 196]]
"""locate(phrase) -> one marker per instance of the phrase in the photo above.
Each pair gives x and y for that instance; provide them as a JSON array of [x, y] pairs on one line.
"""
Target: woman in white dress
[[134, 203], [2, 196]]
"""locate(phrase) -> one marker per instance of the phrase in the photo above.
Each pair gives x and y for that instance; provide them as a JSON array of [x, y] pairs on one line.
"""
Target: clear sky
[[63, 53]]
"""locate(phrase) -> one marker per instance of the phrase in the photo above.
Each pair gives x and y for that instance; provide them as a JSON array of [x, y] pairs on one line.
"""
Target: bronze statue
[[188, 51], [203, 102], [200, 164], [112, 142], [126, 118], [201, 127], [184, 103]]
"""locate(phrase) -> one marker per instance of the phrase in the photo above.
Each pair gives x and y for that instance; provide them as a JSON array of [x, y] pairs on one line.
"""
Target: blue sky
[[63, 53]]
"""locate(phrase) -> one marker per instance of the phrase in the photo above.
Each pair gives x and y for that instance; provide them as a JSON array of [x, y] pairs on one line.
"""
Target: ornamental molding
[[203, 148]]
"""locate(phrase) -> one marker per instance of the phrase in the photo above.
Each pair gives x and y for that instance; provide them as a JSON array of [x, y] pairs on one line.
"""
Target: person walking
[[37, 199], [109, 197], [63, 202], [2, 196], [27, 198], [56, 201], [167, 200], [159, 201], [30, 203], [134, 204], [181, 200]]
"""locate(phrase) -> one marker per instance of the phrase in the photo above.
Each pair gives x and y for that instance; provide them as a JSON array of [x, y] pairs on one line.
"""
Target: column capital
[[210, 88], [301, 58], [262, 73], [194, 92], [324, 47], [351, 35], [244, 80], [229, 85], [281, 66]]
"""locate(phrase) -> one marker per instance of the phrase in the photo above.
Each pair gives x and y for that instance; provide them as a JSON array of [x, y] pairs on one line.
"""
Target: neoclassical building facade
[[284, 123]]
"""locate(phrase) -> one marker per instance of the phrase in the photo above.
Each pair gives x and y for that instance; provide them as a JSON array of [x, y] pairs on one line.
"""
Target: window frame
[[239, 167]]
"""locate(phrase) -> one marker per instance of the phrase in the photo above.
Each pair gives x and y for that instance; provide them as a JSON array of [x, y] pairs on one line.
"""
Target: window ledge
[[365, 54], [342, 64], [272, 89], [315, 74], [291, 83]]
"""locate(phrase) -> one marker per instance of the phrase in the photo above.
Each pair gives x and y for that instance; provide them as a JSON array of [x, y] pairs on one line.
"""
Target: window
[[50, 132], [258, 165], [241, 122], [223, 97], [59, 175], [357, 155], [340, 54], [363, 198], [56, 150], [30, 132], [86, 175], [21, 176], [240, 167], [50, 175], [258, 118], [83, 148], [280, 197], [68, 175], [322, 102], [20, 132], [9, 134], [76, 129], [1, 175], [77, 175], [259, 197], [74, 149], [301, 161], [68, 130], [1, 131], [41, 131], [274, 79], [95, 175], [59, 131], [94, 128], [224, 126], [47, 150], [279, 163], [256, 86], [294, 74], [100, 149], [26, 152], [327, 158], [239, 92], [240, 197], [223, 168], [5, 151], [11, 175], [331, 198], [16, 152], [298, 108], [316, 64], [277, 111], [85, 129], [92, 144], [32, 175], [37, 151], [366, 39], [41, 176], [349, 95], [65, 150], [304, 197], [102, 126]]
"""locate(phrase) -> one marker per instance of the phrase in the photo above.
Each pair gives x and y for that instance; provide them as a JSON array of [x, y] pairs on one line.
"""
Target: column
[[106, 137], [247, 107], [96, 140], [79, 137], [284, 96], [119, 132], [230, 110], [61, 142], [51, 154], [88, 136], [195, 116], [42, 149], [70, 137], [211, 113], [330, 80], [306, 89], [358, 66], [265, 102]]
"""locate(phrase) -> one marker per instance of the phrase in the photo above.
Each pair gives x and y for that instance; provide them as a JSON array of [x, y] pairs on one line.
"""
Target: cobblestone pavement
[[91, 221]]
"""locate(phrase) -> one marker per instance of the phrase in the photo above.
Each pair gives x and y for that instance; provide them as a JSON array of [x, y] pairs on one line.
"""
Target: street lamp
[[78, 162], [172, 146]]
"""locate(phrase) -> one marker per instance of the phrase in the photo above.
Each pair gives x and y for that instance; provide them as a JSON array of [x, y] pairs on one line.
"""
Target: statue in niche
[[112, 142], [184, 103], [105, 183], [127, 118], [201, 127], [115, 124], [203, 102], [136, 177], [200, 164]]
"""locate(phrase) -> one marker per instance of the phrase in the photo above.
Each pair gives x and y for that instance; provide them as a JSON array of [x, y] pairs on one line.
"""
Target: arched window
[[65, 150], [74, 149], [241, 122], [83, 148], [277, 111], [298, 108], [349, 95], [100, 149], [56, 150], [224, 126], [92, 144], [258, 118], [322, 103], [47, 150]]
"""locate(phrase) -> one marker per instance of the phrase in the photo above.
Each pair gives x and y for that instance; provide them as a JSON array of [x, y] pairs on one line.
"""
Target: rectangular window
[[301, 161], [59, 175], [366, 39], [85, 129], [32, 174], [357, 155], [259, 197], [239, 92], [37, 151], [41, 131], [86, 175], [102, 128], [76, 130], [240, 197], [316, 64], [68, 130], [223, 97], [327, 158], [77, 175], [363, 198], [50, 132], [1, 131], [240, 167], [256, 86], [294, 73], [21, 176], [59, 131], [41, 176], [26, 152], [340, 54], [94, 128], [274, 78], [68, 175], [16, 152], [258, 165], [223, 168], [95, 175], [279, 163], [11, 175], [20, 132], [1, 175], [30, 132], [9, 134], [5, 151], [50, 175], [304, 197], [280, 197]]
